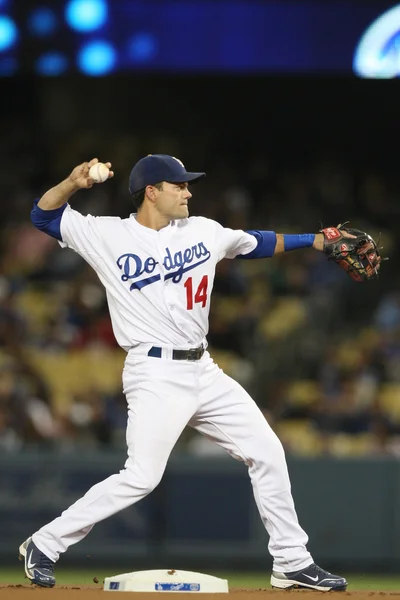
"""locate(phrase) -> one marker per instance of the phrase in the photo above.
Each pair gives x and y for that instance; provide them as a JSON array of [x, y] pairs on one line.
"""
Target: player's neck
[[152, 219]]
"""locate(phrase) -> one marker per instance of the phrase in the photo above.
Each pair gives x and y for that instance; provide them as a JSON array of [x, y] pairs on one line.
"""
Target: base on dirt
[[166, 580]]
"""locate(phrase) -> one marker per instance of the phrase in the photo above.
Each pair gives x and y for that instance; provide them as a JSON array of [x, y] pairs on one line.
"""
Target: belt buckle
[[192, 354]]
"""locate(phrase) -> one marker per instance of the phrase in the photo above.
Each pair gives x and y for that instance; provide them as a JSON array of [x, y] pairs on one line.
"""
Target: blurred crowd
[[319, 353]]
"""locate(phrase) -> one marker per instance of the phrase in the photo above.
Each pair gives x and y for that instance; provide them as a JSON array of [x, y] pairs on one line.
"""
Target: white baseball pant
[[164, 396]]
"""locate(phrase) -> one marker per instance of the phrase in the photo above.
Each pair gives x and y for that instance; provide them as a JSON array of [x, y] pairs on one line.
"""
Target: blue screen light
[[51, 64], [86, 15], [42, 22], [8, 32], [142, 47], [377, 55], [97, 58]]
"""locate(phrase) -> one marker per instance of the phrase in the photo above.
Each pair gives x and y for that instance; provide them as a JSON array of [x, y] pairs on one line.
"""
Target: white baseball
[[99, 172]]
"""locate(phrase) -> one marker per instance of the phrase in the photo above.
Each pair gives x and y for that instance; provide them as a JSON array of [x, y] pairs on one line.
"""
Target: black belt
[[192, 354]]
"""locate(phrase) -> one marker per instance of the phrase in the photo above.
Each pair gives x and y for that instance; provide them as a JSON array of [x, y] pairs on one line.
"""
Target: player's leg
[[161, 400], [229, 417]]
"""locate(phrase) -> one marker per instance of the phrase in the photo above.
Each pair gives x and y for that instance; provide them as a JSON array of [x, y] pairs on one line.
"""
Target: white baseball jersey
[[158, 283]]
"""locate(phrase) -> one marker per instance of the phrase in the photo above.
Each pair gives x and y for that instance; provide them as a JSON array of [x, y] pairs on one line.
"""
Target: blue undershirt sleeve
[[266, 242], [48, 221]]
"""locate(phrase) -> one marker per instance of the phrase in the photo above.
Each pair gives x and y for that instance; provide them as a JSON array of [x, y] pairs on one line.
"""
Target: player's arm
[[355, 251], [48, 210], [61, 193], [269, 243], [237, 243]]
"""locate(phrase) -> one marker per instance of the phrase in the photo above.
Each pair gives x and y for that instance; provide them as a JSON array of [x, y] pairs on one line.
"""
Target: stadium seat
[[298, 436], [303, 392], [389, 401]]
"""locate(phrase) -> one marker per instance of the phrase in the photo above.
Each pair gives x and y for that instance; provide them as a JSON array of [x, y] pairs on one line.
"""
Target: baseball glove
[[353, 250]]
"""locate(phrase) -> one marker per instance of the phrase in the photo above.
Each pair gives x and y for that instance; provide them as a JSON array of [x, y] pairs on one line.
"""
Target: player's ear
[[151, 192]]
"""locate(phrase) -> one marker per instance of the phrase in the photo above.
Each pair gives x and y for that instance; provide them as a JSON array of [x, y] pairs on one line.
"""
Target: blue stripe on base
[[177, 587], [114, 585]]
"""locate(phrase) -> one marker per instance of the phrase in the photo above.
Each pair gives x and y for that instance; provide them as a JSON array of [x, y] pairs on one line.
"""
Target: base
[[164, 580]]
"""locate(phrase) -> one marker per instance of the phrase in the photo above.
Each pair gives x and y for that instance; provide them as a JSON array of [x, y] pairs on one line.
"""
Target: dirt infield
[[32, 592]]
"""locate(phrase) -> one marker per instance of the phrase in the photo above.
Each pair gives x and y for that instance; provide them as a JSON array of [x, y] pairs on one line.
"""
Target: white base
[[166, 580]]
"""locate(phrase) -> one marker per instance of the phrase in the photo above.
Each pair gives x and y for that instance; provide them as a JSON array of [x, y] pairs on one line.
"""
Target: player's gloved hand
[[80, 175], [353, 250]]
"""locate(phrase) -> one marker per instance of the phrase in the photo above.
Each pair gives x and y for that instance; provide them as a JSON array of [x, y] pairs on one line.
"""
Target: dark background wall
[[203, 515]]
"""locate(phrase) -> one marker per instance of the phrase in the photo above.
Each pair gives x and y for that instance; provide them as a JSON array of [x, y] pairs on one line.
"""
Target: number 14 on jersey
[[200, 296]]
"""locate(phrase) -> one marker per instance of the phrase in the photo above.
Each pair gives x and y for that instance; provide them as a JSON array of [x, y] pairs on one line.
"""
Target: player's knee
[[269, 465], [270, 453], [152, 482], [145, 482]]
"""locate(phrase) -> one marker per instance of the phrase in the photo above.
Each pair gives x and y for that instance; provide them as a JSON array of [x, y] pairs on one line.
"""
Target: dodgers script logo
[[133, 266]]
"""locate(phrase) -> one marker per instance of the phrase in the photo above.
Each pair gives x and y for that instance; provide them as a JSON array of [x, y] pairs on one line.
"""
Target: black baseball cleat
[[312, 577], [38, 567]]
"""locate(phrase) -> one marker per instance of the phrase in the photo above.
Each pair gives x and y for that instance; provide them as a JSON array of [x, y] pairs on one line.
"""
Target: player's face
[[172, 200]]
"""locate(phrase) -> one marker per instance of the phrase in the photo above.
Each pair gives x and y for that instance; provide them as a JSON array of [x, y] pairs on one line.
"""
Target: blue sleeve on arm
[[266, 242], [295, 240], [48, 221]]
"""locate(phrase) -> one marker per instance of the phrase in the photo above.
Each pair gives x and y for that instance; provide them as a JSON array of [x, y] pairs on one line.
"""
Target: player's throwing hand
[[80, 175]]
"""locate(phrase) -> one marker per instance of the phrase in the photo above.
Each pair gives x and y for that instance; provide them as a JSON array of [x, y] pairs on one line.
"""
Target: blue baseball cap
[[155, 168]]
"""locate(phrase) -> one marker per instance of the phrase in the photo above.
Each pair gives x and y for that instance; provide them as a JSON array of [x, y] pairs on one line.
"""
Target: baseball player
[[158, 268]]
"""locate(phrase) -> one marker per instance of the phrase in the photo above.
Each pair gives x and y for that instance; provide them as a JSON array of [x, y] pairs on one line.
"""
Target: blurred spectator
[[295, 330]]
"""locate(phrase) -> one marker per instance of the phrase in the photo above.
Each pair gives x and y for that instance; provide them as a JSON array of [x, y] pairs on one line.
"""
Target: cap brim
[[189, 178]]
